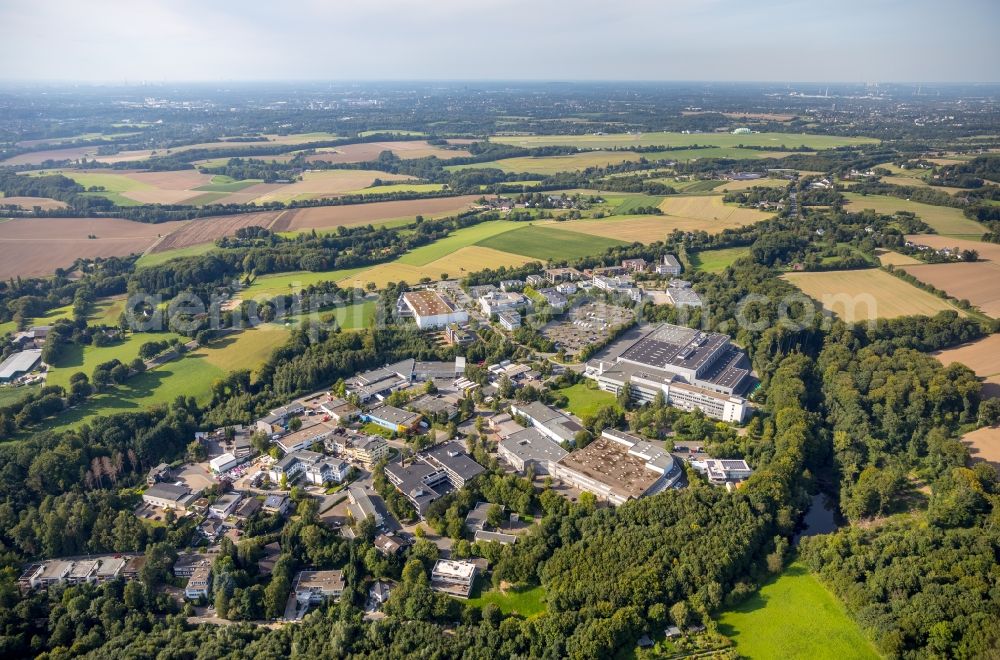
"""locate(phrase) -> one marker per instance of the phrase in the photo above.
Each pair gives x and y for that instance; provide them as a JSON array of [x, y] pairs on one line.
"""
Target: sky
[[750, 40]]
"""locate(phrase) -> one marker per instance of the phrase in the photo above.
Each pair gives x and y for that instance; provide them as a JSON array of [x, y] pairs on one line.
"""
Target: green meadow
[[549, 243], [795, 616], [668, 139], [586, 399], [716, 261]]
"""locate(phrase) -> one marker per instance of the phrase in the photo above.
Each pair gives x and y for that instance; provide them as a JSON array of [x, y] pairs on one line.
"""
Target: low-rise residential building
[[392, 418], [534, 280], [551, 422], [315, 587], [365, 449], [635, 265], [276, 503], [42, 575], [726, 470], [225, 505], [199, 583], [555, 275], [389, 545], [566, 288], [432, 310], [459, 336], [487, 536], [187, 562], [157, 474], [511, 285], [454, 578], [361, 505], [530, 448], [276, 420], [554, 298]]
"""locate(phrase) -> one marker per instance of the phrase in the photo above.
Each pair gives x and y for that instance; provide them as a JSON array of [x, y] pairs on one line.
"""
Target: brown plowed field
[[28, 203], [319, 217], [39, 157], [33, 247], [982, 356], [977, 282], [367, 151], [207, 230]]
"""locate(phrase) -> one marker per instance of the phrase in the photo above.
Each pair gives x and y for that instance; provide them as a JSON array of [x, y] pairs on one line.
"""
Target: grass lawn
[[11, 395], [350, 317], [585, 399], [191, 375], [795, 616], [53, 315], [668, 139], [549, 243], [944, 220], [8, 326], [526, 602], [106, 311], [269, 286], [553, 164], [157, 258], [716, 261], [84, 358]]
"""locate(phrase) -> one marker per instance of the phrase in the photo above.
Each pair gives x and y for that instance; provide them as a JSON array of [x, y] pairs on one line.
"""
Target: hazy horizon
[[184, 41]]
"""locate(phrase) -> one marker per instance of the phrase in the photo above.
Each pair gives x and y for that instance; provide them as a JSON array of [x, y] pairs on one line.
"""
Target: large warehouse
[[432, 310], [691, 368], [18, 364]]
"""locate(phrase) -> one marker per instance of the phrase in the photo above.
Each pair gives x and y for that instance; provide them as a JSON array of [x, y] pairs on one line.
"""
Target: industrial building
[[691, 368], [553, 423], [618, 467], [432, 310], [18, 364], [433, 474], [530, 447]]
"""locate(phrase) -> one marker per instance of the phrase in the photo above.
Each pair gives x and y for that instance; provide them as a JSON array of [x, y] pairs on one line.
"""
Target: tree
[[295, 423], [494, 515], [680, 613]]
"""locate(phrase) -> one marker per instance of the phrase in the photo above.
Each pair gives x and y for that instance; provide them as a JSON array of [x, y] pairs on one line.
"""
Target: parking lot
[[587, 324]]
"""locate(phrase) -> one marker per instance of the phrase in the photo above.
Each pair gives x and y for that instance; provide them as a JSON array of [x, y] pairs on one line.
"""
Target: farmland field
[[982, 356], [553, 164], [666, 139], [984, 445], [890, 258], [457, 264], [977, 282], [207, 230], [327, 183], [549, 243], [369, 151], [987, 251], [630, 204], [795, 616], [712, 210], [716, 261], [156, 258], [943, 219], [860, 295], [319, 217], [474, 235], [37, 246], [685, 155], [28, 203], [732, 186]]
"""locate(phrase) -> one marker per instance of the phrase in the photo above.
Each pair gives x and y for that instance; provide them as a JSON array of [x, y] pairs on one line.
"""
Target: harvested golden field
[[459, 263], [28, 203], [39, 157], [328, 183], [984, 445], [977, 282], [652, 228], [319, 217], [554, 164], [35, 247], [207, 230], [250, 193], [890, 258], [862, 295], [982, 356], [916, 181], [711, 211], [732, 186], [368, 151]]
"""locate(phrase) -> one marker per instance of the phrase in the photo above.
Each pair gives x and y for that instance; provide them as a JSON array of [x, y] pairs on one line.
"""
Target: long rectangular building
[[691, 368]]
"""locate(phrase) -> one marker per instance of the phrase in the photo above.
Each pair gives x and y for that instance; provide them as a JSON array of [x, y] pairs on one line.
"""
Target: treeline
[[971, 174]]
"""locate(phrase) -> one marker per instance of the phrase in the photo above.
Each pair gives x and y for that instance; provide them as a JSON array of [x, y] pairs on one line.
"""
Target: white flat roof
[[19, 363]]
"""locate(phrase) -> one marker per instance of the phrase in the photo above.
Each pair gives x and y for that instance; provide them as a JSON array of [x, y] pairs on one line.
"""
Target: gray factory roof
[[532, 445]]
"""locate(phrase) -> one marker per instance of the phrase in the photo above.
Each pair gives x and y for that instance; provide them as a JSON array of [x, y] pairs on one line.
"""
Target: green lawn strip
[[11, 395], [549, 243], [225, 184], [349, 317], [76, 358], [630, 204], [795, 616]]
